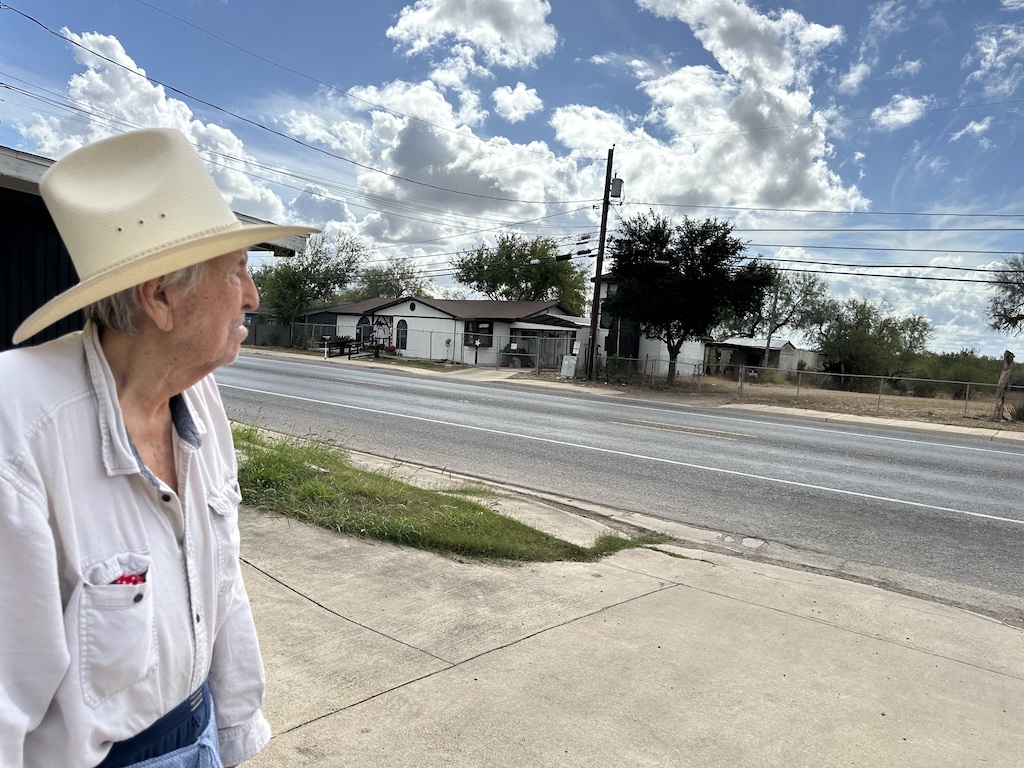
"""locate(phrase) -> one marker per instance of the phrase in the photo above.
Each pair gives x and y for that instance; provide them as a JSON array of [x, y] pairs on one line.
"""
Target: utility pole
[[595, 308]]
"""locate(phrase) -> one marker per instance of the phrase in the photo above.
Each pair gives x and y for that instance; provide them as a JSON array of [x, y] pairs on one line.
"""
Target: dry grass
[[712, 391]]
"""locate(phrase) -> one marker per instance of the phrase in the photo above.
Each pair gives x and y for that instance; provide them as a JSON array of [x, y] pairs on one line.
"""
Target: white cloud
[[746, 133], [906, 68], [1013, 5], [769, 50], [973, 129], [852, 80], [119, 97], [515, 104], [901, 111], [998, 58], [508, 33], [886, 19], [440, 150]]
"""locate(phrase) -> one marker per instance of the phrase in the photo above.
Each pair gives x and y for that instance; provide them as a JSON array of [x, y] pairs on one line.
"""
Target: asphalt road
[[939, 507]]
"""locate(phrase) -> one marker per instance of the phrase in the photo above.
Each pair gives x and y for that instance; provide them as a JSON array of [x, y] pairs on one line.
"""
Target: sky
[[875, 144]]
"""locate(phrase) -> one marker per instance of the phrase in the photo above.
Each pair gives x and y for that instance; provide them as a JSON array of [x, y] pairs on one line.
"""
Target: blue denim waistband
[[178, 728]]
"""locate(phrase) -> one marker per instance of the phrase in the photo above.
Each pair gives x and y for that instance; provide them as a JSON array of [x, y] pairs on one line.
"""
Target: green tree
[[1006, 309], [395, 278], [678, 281], [505, 272], [291, 287], [864, 339], [799, 302]]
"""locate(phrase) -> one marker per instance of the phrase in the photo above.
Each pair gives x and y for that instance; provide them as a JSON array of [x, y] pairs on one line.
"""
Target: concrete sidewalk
[[378, 655], [687, 655]]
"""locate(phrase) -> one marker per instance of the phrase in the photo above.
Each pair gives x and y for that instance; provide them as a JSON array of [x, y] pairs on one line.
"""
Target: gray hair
[[118, 312]]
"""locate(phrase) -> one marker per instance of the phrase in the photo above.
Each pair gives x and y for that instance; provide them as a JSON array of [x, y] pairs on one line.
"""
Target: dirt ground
[[976, 412]]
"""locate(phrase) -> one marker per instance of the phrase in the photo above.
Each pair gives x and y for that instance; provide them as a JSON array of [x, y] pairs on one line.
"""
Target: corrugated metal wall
[[34, 266]]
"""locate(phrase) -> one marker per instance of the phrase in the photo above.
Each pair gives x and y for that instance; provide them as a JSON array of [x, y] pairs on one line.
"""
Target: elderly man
[[127, 634]]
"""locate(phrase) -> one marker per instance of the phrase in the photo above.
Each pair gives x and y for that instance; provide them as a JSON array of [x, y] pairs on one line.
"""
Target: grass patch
[[314, 482], [403, 362]]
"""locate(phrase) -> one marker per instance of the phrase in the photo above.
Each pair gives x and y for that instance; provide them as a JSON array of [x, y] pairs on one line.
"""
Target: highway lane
[[941, 507]]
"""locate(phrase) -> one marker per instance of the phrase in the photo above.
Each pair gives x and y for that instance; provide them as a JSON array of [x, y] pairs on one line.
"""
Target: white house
[[478, 332], [618, 337]]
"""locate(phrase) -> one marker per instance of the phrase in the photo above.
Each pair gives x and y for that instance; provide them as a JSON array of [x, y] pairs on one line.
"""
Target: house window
[[478, 329], [364, 331], [402, 335]]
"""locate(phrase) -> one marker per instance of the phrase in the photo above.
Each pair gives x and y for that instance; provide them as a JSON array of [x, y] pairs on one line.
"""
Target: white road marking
[[673, 462], [703, 415]]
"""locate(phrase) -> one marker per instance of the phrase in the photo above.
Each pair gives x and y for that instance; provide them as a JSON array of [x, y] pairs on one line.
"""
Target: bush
[[899, 386], [764, 376], [924, 389], [621, 370], [962, 390], [1017, 412]]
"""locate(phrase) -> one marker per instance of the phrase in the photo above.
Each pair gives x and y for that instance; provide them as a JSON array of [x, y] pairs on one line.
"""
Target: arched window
[[364, 331], [402, 335]]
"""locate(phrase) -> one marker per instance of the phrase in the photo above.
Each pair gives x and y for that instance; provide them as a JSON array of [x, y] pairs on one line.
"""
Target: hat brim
[[148, 267]]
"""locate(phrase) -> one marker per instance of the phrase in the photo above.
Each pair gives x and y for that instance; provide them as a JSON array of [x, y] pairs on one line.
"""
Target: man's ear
[[156, 303]]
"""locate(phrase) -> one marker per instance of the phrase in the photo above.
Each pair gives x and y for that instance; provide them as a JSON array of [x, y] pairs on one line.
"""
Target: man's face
[[212, 317]]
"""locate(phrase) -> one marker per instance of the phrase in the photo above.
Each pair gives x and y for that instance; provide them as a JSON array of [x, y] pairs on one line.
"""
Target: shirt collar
[[119, 454]]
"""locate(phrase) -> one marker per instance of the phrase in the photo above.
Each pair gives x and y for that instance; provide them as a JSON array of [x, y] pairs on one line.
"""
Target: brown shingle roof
[[469, 309]]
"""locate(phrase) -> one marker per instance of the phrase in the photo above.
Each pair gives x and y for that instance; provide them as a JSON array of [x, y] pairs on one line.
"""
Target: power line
[[892, 266], [286, 137], [748, 209], [882, 248], [344, 92], [893, 277]]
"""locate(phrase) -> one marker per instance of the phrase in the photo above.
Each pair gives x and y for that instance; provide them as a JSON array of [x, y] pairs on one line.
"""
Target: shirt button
[[165, 498], [138, 598], [198, 619]]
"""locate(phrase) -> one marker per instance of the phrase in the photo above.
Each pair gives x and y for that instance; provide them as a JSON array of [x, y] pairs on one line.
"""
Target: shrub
[[962, 390], [924, 389], [765, 376], [1017, 411], [899, 386]]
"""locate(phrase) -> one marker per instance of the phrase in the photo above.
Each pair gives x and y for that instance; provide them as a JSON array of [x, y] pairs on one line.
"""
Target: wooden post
[[1004, 382]]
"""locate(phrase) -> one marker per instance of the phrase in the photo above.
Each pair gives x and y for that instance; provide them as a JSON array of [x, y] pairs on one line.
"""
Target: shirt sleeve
[[34, 656], [236, 678]]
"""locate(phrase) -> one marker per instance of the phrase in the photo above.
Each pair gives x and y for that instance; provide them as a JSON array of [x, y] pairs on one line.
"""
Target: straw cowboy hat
[[132, 208]]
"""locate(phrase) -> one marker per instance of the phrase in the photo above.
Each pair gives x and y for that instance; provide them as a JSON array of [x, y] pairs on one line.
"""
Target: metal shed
[[34, 265]]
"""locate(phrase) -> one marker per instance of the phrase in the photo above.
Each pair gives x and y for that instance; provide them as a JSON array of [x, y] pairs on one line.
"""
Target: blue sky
[[852, 139]]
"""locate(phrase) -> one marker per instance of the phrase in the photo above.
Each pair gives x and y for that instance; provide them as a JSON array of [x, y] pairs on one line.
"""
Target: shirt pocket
[[223, 503], [117, 630]]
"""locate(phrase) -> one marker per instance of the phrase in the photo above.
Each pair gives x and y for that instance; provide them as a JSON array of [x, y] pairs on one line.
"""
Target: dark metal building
[[34, 265]]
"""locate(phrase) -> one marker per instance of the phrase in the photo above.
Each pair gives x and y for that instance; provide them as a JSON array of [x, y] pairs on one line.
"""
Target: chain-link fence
[[896, 396], [542, 351], [646, 371], [310, 335], [531, 350], [889, 394]]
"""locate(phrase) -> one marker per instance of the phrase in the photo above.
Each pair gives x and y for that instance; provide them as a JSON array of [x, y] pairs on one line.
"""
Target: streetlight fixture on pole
[[612, 188]]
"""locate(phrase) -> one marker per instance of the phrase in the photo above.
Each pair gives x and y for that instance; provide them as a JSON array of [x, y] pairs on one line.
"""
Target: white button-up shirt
[[85, 662]]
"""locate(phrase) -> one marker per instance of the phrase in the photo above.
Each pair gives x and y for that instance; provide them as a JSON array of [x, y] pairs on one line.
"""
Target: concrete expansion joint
[[344, 618]]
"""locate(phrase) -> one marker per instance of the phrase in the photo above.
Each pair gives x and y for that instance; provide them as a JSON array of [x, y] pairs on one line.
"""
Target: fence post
[[967, 397], [743, 374], [881, 383], [798, 384]]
